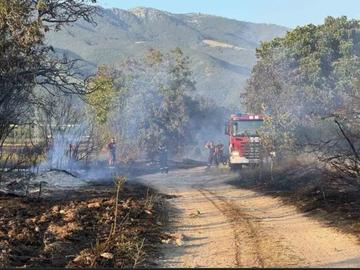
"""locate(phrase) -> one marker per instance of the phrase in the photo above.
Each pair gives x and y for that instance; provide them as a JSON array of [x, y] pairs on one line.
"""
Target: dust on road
[[224, 226]]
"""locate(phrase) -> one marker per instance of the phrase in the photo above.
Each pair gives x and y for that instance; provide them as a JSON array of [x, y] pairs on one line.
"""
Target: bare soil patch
[[333, 200]]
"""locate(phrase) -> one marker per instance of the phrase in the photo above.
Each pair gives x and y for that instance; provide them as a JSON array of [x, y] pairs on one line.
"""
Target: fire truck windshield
[[247, 128]]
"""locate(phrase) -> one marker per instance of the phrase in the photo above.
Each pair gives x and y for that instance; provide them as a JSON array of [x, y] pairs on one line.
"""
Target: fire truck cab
[[244, 140]]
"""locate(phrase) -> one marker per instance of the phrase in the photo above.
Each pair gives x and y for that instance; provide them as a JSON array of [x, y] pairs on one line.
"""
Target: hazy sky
[[283, 12]]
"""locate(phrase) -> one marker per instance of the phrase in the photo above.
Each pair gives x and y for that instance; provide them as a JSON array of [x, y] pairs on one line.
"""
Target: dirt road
[[218, 225]]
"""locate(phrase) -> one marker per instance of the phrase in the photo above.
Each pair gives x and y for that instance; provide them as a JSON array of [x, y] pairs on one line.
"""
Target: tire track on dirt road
[[239, 223], [254, 247]]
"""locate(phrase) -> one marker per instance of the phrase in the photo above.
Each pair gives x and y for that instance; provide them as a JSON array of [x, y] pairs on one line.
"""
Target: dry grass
[[97, 227]]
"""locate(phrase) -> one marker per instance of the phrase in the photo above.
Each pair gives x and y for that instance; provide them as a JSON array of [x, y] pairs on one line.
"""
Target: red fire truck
[[244, 141]]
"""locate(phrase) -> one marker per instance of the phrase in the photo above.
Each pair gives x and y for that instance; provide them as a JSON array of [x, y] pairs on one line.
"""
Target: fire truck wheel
[[235, 167], [225, 162], [254, 166]]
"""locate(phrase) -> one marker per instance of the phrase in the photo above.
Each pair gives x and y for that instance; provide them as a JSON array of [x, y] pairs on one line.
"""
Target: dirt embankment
[[75, 229], [222, 225]]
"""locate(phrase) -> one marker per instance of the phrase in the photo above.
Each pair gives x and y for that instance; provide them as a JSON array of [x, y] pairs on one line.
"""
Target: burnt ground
[[320, 194], [70, 223], [209, 221], [73, 228]]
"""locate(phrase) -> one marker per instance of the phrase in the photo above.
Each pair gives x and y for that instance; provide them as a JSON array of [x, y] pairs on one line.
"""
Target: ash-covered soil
[[75, 228]]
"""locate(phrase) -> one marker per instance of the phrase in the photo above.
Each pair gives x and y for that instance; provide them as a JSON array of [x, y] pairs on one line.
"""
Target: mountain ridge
[[221, 50]]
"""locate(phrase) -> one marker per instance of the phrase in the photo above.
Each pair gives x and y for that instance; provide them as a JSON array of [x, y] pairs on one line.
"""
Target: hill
[[222, 50]]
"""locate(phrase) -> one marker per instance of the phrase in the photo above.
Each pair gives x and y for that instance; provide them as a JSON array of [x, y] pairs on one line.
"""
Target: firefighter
[[211, 146], [163, 158], [112, 152], [219, 153]]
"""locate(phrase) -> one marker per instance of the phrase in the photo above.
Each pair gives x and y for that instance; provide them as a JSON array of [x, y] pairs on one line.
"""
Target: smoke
[[68, 126], [139, 85], [142, 95], [206, 123], [130, 111], [205, 132], [139, 99], [64, 147]]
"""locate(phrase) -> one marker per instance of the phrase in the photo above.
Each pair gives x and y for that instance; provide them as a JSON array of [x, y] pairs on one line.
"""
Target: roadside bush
[[307, 82]]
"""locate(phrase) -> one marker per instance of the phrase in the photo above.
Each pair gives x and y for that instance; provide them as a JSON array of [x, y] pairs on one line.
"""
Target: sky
[[290, 13]]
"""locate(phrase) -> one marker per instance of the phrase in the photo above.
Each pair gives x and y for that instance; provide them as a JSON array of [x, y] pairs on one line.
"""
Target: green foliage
[[27, 62], [150, 105], [41, 5], [20, 38], [167, 122], [303, 79], [101, 94]]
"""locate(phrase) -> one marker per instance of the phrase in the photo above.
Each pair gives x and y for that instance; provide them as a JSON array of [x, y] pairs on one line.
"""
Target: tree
[[151, 103], [26, 61], [169, 121], [305, 82], [101, 94]]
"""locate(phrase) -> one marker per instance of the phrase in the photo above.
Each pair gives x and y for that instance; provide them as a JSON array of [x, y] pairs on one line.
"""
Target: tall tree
[[151, 102], [26, 61], [305, 82]]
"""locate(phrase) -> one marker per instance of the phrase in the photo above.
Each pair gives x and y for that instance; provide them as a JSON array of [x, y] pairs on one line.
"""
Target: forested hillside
[[221, 50]]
